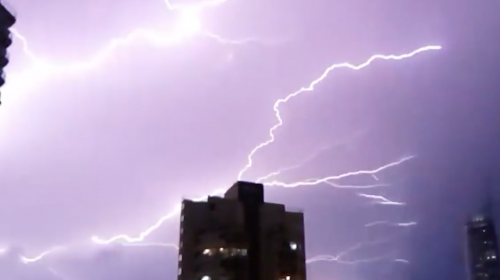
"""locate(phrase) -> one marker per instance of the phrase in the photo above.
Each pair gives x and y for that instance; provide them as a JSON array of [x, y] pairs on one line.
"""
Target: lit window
[[293, 246], [182, 218], [206, 277], [224, 251], [491, 255], [287, 278], [207, 252], [243, 252], [180, 271], [180, 257]]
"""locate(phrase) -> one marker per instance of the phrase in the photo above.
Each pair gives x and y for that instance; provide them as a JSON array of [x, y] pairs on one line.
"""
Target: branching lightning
[[312, 86], [190, 25]]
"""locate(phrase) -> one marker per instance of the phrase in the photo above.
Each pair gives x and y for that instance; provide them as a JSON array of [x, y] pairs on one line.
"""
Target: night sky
[[114, 111]]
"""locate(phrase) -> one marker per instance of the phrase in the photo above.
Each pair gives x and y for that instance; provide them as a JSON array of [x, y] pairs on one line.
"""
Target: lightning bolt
[[312, 86], [339, 186], [340, 257], [378, 199], [313, 182], [407, 224], [188, 26], [27, 260], [328, 258]]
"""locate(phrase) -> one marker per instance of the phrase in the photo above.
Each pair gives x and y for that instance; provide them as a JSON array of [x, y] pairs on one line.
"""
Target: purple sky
[[97, 142]]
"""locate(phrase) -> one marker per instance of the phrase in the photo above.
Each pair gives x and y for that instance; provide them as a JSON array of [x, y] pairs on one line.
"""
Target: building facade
[[7, 20], [241, 237], [482, 249]]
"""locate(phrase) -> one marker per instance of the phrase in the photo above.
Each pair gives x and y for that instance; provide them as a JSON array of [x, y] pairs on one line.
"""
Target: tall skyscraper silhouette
[[241, 237], [482, 242]]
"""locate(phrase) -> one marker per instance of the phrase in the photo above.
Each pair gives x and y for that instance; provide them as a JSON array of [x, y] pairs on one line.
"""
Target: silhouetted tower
[[482, 243], [7, 20], [241, 237]]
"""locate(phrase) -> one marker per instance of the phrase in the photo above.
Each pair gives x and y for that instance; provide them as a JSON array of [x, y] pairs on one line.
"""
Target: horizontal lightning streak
[[327, 258], [339, 258], [407, 224], [313, 182], [42, 255], [378, 199], [339, 186]]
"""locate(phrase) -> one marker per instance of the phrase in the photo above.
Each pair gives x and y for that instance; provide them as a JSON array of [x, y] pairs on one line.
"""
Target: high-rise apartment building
[[7, 20], [482, 249], [241, 237]]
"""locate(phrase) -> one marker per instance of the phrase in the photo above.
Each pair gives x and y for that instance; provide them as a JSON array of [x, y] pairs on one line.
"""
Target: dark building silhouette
[[7, 20], [241, 237], [482, 249]]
